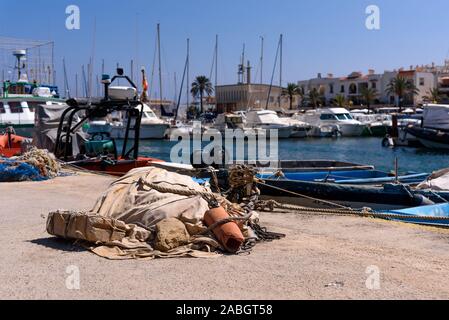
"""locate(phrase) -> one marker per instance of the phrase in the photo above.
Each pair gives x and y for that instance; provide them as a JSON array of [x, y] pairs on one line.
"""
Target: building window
[[342, 88], [421, 81], [373, 85], [352, 89], [331, 88], [2, 108]]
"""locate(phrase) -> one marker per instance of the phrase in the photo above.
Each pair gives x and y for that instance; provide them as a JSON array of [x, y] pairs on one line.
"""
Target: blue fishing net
[[11, 171]]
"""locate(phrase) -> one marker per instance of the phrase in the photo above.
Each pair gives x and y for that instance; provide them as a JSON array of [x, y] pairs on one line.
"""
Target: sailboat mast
[[261, 59], [280, 60], [188, 72], [216, 60], [66, 82], [159, 60]]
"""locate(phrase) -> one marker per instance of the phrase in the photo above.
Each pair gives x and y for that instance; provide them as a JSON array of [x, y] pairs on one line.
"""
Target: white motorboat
[[339, 117], [300, 129], [151, 126], [267, 120]]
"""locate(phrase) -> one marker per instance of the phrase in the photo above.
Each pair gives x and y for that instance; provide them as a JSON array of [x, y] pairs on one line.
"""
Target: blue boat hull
[[434, 211], [388, 196]]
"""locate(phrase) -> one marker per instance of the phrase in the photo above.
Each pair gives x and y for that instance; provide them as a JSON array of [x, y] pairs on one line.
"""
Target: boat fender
[[420, 200], [387, 142], [228, 234]]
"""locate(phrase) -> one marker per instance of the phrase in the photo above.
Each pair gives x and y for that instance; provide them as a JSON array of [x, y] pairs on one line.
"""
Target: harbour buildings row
[[241, 96]]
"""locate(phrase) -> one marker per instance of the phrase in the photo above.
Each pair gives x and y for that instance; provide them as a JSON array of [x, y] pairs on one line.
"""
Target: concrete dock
[[321, 258]]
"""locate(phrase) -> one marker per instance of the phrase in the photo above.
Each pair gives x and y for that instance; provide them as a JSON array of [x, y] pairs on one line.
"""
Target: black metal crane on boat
[[80, 111]]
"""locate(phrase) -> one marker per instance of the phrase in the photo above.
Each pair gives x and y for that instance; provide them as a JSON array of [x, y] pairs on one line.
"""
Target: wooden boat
[[311, 166], [434, 211], [385, 197], [118, 167], [356, 177]]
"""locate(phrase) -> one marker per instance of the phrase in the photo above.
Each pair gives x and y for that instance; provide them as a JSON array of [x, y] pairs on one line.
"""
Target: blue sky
[[327, 36]]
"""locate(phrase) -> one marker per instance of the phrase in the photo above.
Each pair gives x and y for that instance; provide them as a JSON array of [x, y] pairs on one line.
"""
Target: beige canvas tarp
[[121, 223]]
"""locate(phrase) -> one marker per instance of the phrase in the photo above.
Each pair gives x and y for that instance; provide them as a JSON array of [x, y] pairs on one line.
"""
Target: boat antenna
[[274, 71]]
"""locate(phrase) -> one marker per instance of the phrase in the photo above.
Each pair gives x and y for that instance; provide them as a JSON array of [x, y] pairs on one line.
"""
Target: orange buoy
[[228, 234], [10, 145]]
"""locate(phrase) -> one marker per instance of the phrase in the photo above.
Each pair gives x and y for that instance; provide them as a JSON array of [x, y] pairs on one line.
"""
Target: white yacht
[[339, 117], [268, 120]]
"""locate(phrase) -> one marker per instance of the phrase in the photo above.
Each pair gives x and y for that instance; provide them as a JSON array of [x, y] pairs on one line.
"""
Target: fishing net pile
[[152, 213], [34, 165]]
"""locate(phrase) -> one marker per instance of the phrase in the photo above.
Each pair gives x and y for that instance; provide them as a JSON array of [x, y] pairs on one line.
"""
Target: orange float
[[10, 145], [228, 234]]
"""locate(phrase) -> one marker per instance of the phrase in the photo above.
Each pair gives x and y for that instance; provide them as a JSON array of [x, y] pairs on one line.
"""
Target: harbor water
[[358, 150]]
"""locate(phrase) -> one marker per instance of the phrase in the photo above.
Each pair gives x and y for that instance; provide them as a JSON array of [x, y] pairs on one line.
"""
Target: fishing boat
[[433, 132], [380, 197], [353, 177], [20, 98], [99, 152], [18, 103], [291, 166]]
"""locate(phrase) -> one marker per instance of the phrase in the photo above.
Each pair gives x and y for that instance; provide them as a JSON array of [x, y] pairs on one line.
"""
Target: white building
[[351, 86]]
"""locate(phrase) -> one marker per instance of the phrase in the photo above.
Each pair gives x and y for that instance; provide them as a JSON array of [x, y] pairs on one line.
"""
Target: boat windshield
[[328, 116], [269, 118], [149, 114], [344, 116]]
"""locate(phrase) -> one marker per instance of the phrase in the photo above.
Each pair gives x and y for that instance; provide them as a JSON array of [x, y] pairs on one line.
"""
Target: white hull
[[351, 130], [147, 131]]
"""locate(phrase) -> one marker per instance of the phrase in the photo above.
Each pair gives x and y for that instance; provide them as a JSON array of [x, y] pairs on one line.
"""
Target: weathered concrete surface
[[322, 257]]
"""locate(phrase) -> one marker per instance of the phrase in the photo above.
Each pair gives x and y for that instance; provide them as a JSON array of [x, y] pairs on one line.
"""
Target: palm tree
[[200, 86], [433, 95], [315, 97], [291, 91], [340, 101], [401, 87], [368, 95]]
